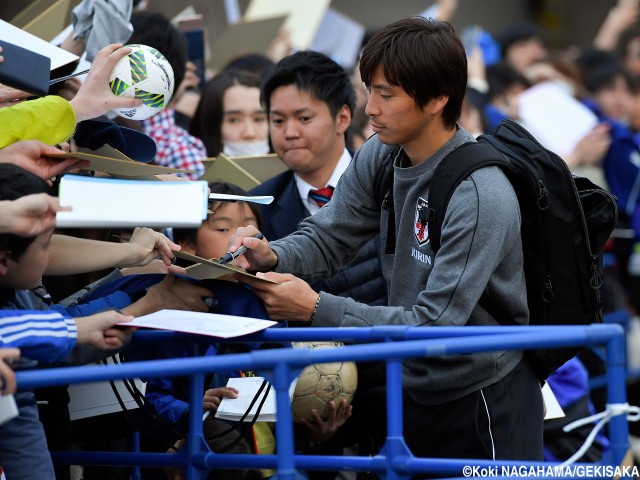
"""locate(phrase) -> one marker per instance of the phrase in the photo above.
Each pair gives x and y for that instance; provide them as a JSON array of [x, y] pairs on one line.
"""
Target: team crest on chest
[[421, 226]]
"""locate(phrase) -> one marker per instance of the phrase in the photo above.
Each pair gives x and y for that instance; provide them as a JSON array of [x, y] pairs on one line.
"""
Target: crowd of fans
[[55, 285]]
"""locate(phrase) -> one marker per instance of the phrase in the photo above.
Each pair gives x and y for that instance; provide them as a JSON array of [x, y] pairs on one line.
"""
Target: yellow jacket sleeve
[[50, 119]]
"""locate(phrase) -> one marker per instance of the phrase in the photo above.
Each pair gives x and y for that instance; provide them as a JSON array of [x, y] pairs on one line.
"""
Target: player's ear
[[437, 104]]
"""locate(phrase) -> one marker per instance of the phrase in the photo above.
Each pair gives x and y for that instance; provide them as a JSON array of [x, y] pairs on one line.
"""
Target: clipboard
[[245, 171], [200, 268], [109, 160]]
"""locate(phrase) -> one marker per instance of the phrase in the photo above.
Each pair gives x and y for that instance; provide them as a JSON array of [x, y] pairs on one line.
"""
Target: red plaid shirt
[[176, 148]]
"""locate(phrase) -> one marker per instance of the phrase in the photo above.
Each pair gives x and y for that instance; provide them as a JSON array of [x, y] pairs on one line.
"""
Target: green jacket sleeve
[[50, 119]]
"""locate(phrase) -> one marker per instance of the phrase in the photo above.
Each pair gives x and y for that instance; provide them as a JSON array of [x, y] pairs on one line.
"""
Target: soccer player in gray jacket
[[483, 405]]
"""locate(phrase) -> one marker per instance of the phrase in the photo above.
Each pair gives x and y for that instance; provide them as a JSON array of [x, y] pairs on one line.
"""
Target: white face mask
[[237, 149]]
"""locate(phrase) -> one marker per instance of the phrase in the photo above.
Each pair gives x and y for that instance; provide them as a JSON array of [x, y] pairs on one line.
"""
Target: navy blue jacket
[[621, 167]]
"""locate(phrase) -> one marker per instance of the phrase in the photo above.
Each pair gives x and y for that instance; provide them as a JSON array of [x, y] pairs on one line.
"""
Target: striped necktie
[[322, 195]]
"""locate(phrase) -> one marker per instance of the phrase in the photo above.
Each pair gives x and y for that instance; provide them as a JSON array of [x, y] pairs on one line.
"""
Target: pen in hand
[[229, 256]]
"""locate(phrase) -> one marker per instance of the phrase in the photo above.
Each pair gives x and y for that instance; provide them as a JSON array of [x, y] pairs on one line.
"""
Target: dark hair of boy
[[191, 234], [15, 183], [501, 77], [424, 69], [605, 75], [206, 123], [591, 59], [155, 30], [314, 73], [516, 33]]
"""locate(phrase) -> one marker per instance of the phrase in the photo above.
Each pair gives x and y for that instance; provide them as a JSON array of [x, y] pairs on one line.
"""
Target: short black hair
[[502, 76], [592, 58], [605, 75], [191, 234], [15, 182], [424, 57], [516, 33], [314, 73], [155, 30], [251, 62]]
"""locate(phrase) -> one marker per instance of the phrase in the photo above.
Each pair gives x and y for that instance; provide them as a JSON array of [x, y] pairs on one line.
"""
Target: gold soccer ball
[[320, 383]]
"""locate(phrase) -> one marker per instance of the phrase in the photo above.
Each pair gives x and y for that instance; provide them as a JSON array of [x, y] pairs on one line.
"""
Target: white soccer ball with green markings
[[144, 74]]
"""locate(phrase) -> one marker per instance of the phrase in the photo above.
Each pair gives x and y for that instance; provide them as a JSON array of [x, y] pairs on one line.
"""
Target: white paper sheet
[[17, 36], [234, 408], [556, 119], [212, 324], [110, 202], [554, 410]]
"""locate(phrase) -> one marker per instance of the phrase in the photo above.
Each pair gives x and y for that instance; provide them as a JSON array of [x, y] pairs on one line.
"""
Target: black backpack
[[566, 220]]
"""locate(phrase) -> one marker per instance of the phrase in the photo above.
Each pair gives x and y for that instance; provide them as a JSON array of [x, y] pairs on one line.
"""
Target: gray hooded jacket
[[481, 249]]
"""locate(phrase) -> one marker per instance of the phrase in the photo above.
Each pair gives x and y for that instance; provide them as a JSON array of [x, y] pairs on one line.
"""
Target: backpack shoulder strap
[[452, 170], [384, 177], [383, 193]]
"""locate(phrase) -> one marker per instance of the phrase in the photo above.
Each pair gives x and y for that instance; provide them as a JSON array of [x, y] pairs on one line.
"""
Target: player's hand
[[289, 299], [259, 255]]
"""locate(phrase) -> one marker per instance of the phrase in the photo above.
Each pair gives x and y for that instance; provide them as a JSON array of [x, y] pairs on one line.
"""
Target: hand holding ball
[[321, 383], [144, 74]]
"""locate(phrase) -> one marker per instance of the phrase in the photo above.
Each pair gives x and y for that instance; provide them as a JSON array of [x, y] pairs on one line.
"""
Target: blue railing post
[[617, 395], [395, 448], [195, 443], [136, 474], [284, 425]]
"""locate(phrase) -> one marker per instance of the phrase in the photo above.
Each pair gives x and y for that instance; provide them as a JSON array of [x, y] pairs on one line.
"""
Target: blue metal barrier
[[620, 317], [393, 345]]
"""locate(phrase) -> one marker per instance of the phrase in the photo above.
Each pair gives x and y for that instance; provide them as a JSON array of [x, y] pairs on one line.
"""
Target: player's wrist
[[315, 310]]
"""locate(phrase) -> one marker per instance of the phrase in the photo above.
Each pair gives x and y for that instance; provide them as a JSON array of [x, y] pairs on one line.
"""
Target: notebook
[[111, 202], [24, 69]]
